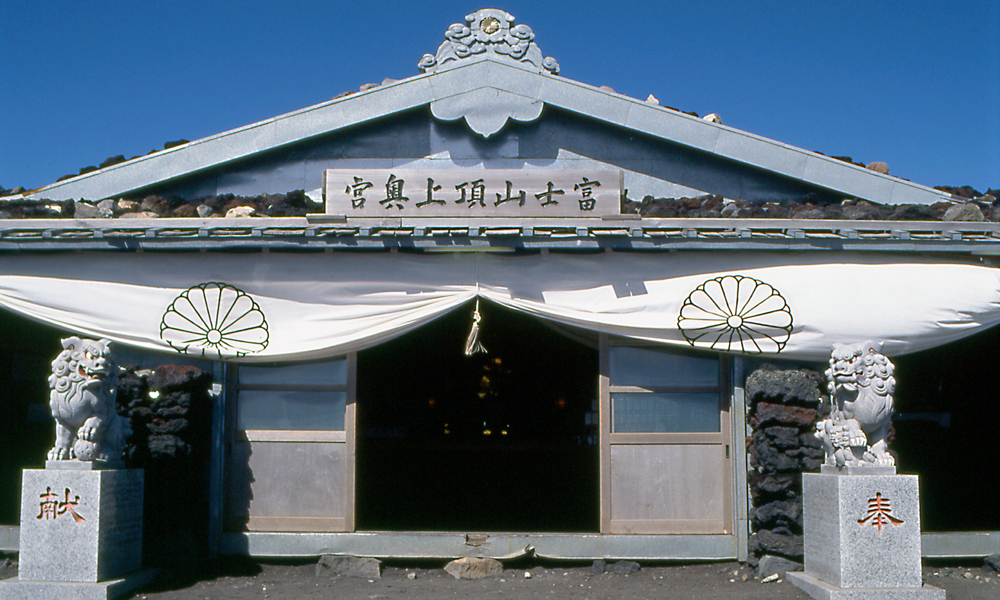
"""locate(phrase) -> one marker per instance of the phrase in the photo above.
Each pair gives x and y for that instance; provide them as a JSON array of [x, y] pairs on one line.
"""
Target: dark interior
[[496, 441], [26, 426], [543, 474], [947, 414]]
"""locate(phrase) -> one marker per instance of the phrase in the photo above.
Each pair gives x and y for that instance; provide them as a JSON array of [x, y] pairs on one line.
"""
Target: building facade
[[481, 339]]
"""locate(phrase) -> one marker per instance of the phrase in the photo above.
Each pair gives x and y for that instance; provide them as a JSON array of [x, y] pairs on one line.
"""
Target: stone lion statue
[[82, 399], [861, 387]]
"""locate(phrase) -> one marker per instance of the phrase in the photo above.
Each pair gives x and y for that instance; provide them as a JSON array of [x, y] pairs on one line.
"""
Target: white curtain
[[265, 307]]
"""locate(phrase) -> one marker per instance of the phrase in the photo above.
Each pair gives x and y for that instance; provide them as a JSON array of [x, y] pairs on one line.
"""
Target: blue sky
[[916, 85]]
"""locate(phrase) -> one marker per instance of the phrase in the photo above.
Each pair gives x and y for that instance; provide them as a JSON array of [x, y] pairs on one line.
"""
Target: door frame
[[343, 523], [722, 439]]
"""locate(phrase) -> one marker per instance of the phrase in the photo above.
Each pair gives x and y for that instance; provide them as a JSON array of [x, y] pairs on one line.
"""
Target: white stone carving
[[491, 32], [82, 399], [861, 384], [488, 33]]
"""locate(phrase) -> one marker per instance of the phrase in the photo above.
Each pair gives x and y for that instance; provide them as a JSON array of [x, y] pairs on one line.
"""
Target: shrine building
[[517, 314]]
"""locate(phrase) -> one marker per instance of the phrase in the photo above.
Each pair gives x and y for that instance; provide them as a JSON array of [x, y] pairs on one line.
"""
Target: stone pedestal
[[81, 535], [862, 538]]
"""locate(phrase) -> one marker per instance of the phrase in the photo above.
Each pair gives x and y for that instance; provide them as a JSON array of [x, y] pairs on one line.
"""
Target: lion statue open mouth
[[861, 385], [82, 400]]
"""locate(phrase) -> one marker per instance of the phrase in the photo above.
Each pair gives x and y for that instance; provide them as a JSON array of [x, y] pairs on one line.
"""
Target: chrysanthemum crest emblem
[[214, 318], [736, 314]]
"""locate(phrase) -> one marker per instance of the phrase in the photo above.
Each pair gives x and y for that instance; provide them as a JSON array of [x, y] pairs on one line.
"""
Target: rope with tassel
[[472, 345]]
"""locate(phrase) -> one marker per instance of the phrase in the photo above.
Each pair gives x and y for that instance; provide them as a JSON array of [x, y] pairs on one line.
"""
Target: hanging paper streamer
[[472, 344]]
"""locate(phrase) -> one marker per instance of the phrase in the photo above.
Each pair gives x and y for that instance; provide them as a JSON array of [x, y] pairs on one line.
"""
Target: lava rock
[[173, 399], [787, 513], [292, 204], [806, 452], [776, 565], [168, 445], [155, 204], [112, 160], [185, 211], [775, 485], [780, 437], [766, 413], [778, 544], [965, 191], [768, 459], [810, 464], [331, 565], [783, 387], [865, 211], [809, 440], [622, 567], [171, 427], [174, 378], [913, 212], [139, 413]]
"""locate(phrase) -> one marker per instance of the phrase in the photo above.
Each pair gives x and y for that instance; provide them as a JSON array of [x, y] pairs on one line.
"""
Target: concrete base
[[825, 591], [16, 589]]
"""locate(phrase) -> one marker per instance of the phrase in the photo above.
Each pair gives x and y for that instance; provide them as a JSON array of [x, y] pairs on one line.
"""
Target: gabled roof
[[488, 74]]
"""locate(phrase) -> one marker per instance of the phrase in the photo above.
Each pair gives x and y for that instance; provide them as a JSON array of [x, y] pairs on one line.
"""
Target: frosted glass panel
[[322, 373], [648, 367], [297, 411], [664, 413]]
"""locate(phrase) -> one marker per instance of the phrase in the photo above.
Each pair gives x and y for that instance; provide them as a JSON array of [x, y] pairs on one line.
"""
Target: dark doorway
[[504, 440], [945, 431], [27, 429]]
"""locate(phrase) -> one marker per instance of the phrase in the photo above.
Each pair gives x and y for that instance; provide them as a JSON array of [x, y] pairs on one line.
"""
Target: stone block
[[80, 525], [474, 568], [776, 565], [862, 531]]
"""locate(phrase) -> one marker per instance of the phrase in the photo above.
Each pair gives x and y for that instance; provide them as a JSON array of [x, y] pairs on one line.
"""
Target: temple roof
[[487, 73]]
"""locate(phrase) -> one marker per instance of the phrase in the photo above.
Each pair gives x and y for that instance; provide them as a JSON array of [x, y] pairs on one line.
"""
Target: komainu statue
[[82, 400], [861, 387]]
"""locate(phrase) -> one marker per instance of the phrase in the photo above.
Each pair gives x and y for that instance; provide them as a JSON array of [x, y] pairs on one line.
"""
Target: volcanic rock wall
[[171, 414], [783, 410]]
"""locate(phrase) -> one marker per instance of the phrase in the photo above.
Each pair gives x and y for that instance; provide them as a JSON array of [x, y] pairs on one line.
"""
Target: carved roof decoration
[[491, 32]]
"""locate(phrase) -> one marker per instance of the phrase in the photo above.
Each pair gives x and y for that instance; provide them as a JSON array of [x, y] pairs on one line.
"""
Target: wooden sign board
[[472, 192]]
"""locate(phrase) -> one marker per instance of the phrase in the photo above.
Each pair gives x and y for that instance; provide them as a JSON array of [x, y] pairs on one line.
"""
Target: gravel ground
[[527, 580]]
